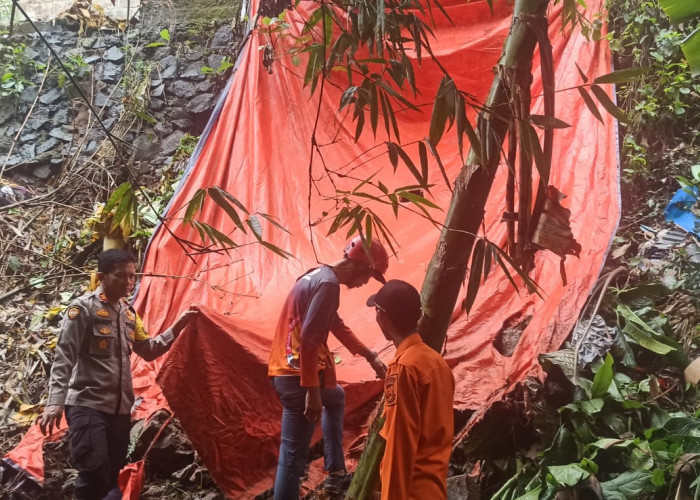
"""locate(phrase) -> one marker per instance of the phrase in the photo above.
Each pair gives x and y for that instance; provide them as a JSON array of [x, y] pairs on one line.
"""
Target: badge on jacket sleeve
[[130, 315], [103, 297], [390, 390], [73, 312], [103, 312]]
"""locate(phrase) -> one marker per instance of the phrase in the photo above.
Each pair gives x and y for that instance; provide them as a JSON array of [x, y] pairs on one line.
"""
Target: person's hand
[[183, 321], [50, 418], [378, 366], [314, 405]]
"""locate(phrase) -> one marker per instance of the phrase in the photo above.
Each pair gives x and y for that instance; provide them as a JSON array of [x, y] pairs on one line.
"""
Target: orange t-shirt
[[419, 426]]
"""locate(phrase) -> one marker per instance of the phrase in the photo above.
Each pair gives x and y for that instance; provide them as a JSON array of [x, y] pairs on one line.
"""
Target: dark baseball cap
[[400, 301]]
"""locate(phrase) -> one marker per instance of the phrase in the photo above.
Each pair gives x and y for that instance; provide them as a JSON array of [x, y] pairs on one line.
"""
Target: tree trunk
[[448, 267]]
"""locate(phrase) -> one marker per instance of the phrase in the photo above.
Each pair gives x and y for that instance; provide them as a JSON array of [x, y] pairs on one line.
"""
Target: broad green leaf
[[640, 332], [607, 103], [603, 378], [591, 406], [658, 477], [475, 272], [691, 50], [564, 359], [605, 443], [568, 475], [165, 34], [533, 494], [590, 104], [679, 11], [116, 197], [622, 76], [630, 485]]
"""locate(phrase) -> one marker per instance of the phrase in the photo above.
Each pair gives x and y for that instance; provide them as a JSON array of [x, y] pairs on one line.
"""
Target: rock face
[[126, 81]]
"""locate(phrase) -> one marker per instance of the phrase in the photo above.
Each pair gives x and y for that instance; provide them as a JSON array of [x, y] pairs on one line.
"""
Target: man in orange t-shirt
[[419, 389], [302, 368]]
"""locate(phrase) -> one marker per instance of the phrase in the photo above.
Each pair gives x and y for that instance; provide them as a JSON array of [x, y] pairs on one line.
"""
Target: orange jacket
[[419, 425]]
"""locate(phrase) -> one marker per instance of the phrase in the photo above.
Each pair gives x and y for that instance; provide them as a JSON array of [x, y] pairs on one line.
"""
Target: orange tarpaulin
[[257, 146]]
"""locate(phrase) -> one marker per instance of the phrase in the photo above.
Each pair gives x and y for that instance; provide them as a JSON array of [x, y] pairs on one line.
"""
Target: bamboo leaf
[[348, 96], [276, 249], [440, 115], [417, 199], [373, 108], [393, 154], [254, 224], [530, 143], [487, 259], [607, 103], [435, 154], [411, 166], [328, 28], [475, 273], [547, 122], [622, 75], [368, 228], [195, 204], [423, 155], [220, 200], [231, 198], [272, 220], [591, 105], [582, 74], [218, 237], [339, 219]]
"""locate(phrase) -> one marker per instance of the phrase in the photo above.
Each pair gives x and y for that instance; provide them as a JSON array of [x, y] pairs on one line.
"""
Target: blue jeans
[[297, 433]]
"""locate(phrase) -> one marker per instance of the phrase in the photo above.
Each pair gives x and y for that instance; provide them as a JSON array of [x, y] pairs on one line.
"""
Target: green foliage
[[14, 69], [186, 147], [164, 40], [667, 98]]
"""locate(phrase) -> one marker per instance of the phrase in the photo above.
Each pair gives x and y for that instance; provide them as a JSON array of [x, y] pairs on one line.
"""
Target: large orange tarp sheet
[[258, 148]]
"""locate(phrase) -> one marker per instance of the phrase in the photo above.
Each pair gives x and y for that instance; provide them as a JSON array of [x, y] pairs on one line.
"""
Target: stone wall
[[46, 10], [148, 97]]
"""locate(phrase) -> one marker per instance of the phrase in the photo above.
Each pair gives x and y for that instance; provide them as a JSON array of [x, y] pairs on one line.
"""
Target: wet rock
[[183, 124], [162, 129], [158, 91], [183, 89], [215, 60], [108, 72], [42, 172], [205, 86], [61, 116], [146, 148], [61, 133], [28, 94], [157, 104], [171, 142], [194, 71], [113, 55], [169, 65], [222, 37], [47, 145], [201, 103], [178, 113], [51, 96], [195, 55], [100, 100], [92, 59]]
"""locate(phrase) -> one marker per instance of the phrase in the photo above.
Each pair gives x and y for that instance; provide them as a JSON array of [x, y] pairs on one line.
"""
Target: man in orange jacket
[[419, 389], [302, 368]]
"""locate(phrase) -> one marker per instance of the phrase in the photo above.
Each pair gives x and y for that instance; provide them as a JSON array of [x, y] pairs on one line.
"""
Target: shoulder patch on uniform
[[390, 390], [73, 312], [130, 315], [103, 312], [103, 297]]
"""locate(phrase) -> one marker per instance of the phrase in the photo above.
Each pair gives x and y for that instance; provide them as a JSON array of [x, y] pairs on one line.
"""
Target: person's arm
[[401, 431], [150, 348], [73, 329], [346, 337]]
